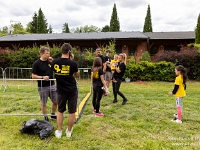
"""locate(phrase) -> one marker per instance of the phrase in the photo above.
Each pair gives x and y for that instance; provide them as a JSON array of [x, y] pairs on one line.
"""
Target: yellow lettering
[[56, 67], [65, 67]]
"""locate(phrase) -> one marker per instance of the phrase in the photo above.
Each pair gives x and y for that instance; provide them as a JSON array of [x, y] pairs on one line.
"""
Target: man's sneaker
[[53, 116], [99, 114], [69, 133], [46, 118], [94, 111], [177, 121], [114, 101], [124, 101], [176, 116], [58, 134]]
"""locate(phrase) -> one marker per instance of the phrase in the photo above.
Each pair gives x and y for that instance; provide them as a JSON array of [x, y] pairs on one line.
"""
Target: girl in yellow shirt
[[179, 91]]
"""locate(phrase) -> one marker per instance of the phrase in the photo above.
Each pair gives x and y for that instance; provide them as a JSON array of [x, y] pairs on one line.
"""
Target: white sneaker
[[175, 115], [58, 134], [69, 133], [177, 121]]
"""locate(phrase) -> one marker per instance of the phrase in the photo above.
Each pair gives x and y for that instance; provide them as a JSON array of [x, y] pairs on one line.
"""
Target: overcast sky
[[166, 15]]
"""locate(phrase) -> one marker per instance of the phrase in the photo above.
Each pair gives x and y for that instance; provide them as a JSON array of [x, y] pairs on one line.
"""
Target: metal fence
[[1, 78], [20, 95]]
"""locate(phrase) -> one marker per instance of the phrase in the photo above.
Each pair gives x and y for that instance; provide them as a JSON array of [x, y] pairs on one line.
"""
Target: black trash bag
[[41, 127]]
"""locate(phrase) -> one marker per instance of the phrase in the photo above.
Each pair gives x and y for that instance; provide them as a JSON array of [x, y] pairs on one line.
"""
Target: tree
[[41, 22], [65, 28], [106, 28], [33, 23], [50, 30], [4, 31], [28, 27], [197, 31], [85, 29], [148, 24], [18, 29], [114, 21]]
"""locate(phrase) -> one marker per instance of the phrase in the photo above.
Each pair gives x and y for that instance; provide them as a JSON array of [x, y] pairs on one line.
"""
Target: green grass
[[143, 123]]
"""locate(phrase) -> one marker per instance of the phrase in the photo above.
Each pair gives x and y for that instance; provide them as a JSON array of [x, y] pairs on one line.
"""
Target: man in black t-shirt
[[108, 73], [99, 54], [46, 88], [65, 69]]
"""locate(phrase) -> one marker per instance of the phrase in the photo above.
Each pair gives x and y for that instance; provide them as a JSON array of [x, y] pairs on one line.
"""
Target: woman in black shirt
[[118, 75], [98, 82]]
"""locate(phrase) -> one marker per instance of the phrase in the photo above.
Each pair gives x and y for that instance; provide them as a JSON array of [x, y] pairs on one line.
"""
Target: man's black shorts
[[70, 99]]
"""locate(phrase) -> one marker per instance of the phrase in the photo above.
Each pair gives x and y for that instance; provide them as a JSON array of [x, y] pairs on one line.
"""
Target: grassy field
[[143, 123]]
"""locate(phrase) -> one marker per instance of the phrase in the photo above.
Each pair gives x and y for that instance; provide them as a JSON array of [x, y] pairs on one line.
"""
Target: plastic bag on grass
[[41, 127]]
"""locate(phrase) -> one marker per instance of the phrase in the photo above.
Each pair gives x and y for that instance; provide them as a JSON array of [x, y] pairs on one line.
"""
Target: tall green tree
[[106, 28], [41, 23], [50, 30], [148, 24], [33, 23], [114, 21], [197, 31], [65, 28]]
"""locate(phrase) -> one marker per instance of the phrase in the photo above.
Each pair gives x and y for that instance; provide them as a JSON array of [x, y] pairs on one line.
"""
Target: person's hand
[[46, 78], [72, 56], [170, 93], [50, 59]]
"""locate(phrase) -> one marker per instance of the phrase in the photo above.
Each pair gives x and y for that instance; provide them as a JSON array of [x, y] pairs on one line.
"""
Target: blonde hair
[[115, 56], [124, 57]]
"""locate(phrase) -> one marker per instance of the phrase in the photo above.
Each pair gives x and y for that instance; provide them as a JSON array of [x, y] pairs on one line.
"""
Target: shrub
[[188, 57], [146, 56], [149, 71]]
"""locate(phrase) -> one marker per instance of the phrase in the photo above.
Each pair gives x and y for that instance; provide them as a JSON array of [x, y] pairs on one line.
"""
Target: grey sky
[[167, 15]]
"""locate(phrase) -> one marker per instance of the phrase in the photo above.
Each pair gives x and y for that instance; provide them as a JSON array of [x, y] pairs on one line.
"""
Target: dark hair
[[97, 63], [66, 47], [108, 51], [43, 48], [183, 72]]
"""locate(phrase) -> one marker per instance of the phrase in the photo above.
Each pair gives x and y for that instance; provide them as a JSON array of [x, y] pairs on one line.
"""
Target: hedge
[[149, 71]]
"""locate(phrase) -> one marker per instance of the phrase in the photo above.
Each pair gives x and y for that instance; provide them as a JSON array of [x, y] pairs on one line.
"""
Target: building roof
[[74, 36], [171, 35]]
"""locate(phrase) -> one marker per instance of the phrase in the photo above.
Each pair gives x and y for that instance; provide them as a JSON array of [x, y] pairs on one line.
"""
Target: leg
[[62, 99], [94, 98], [99, 96], [72, 102], [53, 96], [118, 83], [60, 118], [44, 109], [107, 84], [60, 115], [54, 107], [71, 120], [44, 94], [114, 92], [179, 103]]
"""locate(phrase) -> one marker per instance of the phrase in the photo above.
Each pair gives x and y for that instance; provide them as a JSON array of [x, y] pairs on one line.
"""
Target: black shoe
[[53, 116], [114, 101], [46, 118], [124, 101]]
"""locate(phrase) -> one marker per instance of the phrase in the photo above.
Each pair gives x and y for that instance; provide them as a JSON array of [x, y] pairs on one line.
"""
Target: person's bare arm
[[77, 73], [35, 76], [117, 69], [104, 67], [103, 81]]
